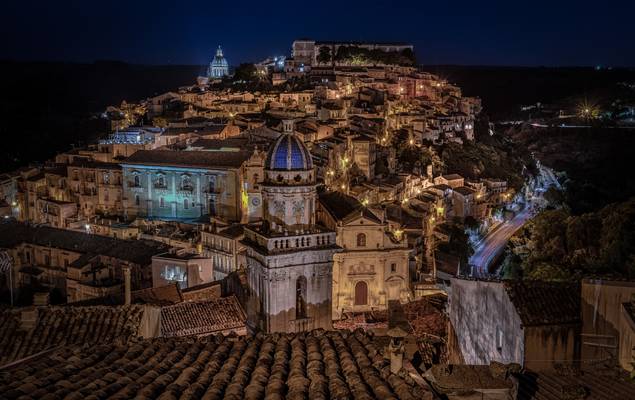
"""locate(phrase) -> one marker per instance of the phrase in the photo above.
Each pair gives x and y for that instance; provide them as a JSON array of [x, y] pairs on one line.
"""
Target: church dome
[[219, 66], [288, 153]]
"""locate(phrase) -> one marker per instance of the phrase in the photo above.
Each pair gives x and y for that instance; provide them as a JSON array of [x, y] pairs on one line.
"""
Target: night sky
[[550, 33]]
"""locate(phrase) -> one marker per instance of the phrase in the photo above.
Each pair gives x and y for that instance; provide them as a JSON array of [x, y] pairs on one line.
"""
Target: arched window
[[212, 184], [137, 181], [161, 181], [300, 297], [361, 293], [361, 240], [186, 182], [186, 204]]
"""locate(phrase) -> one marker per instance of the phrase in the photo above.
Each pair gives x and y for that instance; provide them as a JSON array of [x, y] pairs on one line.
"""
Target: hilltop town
[[334, 200]]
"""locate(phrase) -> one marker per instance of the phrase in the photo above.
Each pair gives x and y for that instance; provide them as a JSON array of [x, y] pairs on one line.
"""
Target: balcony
[[301, 325], [186, 188]]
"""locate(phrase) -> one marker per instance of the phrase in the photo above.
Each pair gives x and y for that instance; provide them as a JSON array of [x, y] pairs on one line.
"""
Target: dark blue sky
[[509, 32]]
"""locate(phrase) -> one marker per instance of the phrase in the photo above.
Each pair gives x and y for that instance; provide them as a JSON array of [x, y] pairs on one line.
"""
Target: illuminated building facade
[[183, 185], [289, 256], [373, 267], [219, 67]]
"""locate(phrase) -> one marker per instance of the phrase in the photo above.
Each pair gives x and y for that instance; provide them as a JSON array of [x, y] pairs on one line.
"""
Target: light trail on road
[[491, 246]]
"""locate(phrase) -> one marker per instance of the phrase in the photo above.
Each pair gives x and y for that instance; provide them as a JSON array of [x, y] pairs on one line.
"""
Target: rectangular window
[[175, 273], [161, 202], [393, 267]]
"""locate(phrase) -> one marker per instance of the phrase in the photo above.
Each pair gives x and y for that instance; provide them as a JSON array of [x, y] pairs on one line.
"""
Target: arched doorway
[[361, 293]]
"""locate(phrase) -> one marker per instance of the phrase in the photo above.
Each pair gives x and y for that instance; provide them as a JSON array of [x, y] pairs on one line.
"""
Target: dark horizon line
[[121, 62]]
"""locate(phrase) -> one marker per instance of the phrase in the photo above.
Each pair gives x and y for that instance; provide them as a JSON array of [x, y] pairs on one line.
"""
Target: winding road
[[494, 243], [491, 246]]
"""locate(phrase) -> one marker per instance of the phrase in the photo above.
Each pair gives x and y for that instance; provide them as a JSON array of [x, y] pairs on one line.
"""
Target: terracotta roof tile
[[61, 326], [136, 251], [202, 159], [203, 318], [540, 303], [169, 294], [317, 365], [587, 385]]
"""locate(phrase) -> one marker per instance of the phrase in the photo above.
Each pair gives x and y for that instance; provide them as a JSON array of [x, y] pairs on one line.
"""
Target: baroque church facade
[[289, 256]]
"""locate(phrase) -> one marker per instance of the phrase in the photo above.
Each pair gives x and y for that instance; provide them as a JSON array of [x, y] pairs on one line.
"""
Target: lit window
[[175, 273]]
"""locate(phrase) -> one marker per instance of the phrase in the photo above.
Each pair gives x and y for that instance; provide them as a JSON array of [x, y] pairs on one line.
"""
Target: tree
[[409, 56], [324, 56], [554, 197], [245, 72], [343, 53], [459, 244]]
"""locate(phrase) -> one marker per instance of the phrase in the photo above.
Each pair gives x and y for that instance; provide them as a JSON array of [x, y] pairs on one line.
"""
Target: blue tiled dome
[[290, 154]]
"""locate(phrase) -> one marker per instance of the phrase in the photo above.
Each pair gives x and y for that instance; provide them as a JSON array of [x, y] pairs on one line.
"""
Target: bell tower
[[289, 257]]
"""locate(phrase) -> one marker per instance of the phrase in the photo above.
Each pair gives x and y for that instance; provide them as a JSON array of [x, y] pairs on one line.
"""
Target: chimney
[[126, 285], [28, 318], [41, 299], [396, 349]]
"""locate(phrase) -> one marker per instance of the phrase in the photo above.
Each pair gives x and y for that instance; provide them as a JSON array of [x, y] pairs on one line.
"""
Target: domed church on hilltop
[[219, 67]]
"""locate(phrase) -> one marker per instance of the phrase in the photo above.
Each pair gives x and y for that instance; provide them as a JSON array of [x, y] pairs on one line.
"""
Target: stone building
[[183, 268], [183, 185], [96, 187], [289, 256], [608, 326], [79, 265], [373, 267], [534, 324], [224, 247]]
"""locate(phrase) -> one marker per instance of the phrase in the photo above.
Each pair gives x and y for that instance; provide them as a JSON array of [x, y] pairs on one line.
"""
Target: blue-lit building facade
[[183, 185]]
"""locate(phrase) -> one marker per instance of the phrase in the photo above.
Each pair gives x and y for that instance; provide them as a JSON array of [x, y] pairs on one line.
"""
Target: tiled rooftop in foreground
[[64, 326], [317, 365]]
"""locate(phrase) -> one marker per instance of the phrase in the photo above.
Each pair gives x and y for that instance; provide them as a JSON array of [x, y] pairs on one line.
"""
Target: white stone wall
[[479, 309]]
